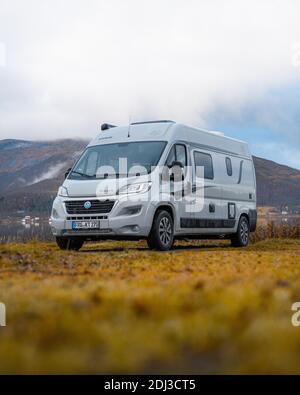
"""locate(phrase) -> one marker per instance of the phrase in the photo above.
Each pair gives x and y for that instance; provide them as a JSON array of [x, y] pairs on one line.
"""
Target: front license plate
[[93, 224]]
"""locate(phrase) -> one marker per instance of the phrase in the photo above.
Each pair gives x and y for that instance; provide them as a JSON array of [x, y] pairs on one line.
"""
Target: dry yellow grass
[[120, 308], [276, 231]]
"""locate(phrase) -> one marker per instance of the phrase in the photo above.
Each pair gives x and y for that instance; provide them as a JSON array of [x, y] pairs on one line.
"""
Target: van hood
[[100, 188]]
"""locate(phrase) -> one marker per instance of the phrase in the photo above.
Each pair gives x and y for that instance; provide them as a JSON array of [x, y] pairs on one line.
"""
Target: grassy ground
[[120, 308]]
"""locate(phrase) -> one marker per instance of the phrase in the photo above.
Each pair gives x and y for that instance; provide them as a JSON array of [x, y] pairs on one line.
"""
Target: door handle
[[212, 208]]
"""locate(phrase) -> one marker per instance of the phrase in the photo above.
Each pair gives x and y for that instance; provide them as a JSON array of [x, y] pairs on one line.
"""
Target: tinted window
[[171, 157], [204, 160], [178, 154], [229, 166]]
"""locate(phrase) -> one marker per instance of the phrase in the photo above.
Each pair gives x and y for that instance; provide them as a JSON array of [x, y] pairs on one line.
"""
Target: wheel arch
[[251, 216], [246, 215], [167, 207]]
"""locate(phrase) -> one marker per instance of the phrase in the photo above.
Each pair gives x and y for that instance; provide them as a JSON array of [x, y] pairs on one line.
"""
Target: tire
[[161, 236], [66, 243], [242, 236]]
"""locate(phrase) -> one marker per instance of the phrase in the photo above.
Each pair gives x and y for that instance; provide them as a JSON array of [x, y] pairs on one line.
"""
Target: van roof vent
[[106, 126]]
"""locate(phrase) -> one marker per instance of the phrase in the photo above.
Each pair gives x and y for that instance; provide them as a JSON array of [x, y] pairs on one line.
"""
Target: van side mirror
[[176, 171], [68, 172], [176, 163]]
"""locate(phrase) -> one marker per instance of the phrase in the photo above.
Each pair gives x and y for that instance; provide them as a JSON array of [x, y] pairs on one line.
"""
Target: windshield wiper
[[82, 174], [106, 175], [110, 175]]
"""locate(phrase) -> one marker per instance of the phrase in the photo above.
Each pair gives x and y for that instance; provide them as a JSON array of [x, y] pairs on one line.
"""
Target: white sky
[[73, 64]]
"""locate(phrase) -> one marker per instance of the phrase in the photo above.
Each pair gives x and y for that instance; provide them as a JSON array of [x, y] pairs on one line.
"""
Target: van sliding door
[[207, 192]]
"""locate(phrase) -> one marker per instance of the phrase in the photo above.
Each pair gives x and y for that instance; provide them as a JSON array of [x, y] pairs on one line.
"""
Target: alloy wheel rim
[[244, 232], [165, 231]]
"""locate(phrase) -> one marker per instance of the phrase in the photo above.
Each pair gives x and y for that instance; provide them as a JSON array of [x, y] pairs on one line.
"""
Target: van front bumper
[[126, 219]]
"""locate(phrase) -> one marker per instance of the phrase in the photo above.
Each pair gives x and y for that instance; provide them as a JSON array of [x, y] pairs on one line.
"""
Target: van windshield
[[118, 160]]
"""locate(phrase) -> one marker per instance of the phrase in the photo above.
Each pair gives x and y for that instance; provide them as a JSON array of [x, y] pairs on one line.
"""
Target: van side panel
[[239, 190], [231, 193], [207, 220]]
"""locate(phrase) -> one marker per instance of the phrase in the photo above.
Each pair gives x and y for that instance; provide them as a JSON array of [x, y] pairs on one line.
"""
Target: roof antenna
[[128, 134]]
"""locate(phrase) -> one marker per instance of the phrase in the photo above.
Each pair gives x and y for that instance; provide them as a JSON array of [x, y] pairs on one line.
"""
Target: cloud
[[2, 55], [72, 65], [273, 116], [283, 152], [51, 173]]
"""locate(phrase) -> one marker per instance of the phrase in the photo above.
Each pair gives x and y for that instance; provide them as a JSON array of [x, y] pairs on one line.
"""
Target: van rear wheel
[[242, 236], [161, 237], [66, 243]]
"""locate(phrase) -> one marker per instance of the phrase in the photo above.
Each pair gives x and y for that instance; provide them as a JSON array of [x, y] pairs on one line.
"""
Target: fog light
[[130, 210], [130, 229]]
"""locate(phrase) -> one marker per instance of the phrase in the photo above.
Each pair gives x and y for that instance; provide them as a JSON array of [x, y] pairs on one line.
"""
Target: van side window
[[204, 160], [229, 167], [171, 157], [181, 154], [178, 154]]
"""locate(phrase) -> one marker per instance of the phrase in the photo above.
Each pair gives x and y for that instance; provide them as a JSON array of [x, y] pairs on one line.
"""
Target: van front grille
[[96, 206], [84, 218]]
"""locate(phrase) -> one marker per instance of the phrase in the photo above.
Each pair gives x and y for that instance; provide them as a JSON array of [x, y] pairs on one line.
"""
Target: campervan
[[159, 181]]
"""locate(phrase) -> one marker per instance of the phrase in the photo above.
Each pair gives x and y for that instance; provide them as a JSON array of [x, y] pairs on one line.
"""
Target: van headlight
[[135, 188], [62, 191]]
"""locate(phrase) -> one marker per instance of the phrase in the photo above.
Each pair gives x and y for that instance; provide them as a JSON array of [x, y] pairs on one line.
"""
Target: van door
[[180, 187], [230, 168], [205, 220]]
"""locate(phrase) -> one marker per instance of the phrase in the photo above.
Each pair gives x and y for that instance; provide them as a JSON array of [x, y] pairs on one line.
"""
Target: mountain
[[27, 163], [277, 185], [31, 171]]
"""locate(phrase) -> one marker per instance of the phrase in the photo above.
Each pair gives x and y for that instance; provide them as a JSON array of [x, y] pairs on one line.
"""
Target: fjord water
[[14, 230], [18, 231]]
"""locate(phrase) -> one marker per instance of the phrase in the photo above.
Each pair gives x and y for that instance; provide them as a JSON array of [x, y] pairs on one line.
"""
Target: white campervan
[[158, 181]]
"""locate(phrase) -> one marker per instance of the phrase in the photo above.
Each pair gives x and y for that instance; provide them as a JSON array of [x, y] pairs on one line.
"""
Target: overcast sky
[[66, 66]]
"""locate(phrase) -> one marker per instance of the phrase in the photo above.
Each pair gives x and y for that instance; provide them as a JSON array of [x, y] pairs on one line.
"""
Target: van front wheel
[[161, 237], [66, 243], [242, 236]]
